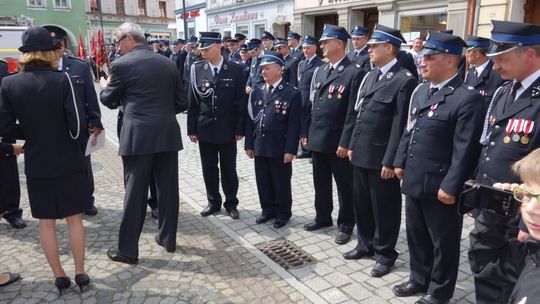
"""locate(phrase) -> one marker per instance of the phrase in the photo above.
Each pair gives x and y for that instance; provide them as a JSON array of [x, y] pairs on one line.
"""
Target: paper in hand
[[95, 143]]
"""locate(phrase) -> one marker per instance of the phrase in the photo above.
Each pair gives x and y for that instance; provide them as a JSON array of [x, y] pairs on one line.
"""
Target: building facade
[[250, 17], [195, 16], [156, 17], [514, 10]]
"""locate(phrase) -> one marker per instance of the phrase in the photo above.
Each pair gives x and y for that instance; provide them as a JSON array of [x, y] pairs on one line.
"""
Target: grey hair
[[133, 29]]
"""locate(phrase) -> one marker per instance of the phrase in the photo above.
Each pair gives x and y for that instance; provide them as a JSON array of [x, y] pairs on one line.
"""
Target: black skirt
[[59, 197]]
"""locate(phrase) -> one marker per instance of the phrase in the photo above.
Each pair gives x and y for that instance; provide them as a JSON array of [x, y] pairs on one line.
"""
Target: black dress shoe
[[233, 213], [356, 254], [160, 243], [17, 223], [263, 218], [408, 289], [154, 213], [13, 277], [62, 283], [91, 211], [117, 257], [429, 299], [209, 210], [278, 223], [82, 280], [314, 225], [380, 270], [342, 238]]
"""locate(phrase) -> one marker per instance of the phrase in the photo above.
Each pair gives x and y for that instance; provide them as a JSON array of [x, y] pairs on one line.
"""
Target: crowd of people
[[379, 121]]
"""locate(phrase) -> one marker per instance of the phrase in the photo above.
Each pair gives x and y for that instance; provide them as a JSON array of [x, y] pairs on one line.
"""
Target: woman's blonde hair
[[49, 58], [528, 168]]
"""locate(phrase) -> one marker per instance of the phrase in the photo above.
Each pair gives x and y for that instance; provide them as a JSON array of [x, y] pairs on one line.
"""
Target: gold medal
[[525, 140], [506, 139], [516, 137]]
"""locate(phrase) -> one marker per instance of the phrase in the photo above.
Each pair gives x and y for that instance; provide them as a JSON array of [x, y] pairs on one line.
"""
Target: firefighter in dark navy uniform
[[192, 56], [234, 50], [295, 48], [381, 106], [510, 126], [437, 154], [290, 66], [329, 129], [217, 108], [272, 133], [245, 63], [306, 68], [359, 55], [267, 41], [481, 76], [255, 77]]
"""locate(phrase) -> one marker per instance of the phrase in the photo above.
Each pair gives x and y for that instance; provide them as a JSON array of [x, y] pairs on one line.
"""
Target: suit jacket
[[255, 76], [83, 84], [290, 68], [497, 156], [217, 117], [167, 52], [274, 128], [381, 117], [246, 66], [191, 58], [361, 59], [440, 147], [234, 57], [486, 83], [41, 100], [328, 127], [148, 87], [305, 74], [406, 61]]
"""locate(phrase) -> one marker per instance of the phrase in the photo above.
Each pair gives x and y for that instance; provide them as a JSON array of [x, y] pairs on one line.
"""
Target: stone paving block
[[334, 296], [318, 284]]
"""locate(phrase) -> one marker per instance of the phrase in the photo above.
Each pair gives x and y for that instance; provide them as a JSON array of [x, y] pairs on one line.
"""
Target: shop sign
[[235, 17], [190, 14]]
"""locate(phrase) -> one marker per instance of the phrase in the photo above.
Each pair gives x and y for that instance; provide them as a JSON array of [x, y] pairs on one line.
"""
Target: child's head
[[528, 170]]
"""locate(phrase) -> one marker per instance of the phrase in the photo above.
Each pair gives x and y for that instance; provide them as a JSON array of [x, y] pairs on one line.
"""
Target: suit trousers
[[225, 155], [10, 188], [138, 170], [377, 209], [326, 165], [433, 236], [274, 186]]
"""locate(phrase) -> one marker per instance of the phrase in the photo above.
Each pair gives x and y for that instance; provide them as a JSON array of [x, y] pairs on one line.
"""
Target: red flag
[[101, 53], [81, 51], [93, 46]]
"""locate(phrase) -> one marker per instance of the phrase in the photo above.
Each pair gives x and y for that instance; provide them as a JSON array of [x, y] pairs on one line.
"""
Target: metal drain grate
[[285, 253]]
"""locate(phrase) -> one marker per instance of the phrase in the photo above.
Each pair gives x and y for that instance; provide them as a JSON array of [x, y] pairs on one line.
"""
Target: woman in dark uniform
[[51, 119]]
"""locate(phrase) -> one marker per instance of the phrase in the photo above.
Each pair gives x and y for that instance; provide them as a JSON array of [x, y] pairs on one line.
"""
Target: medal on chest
[[341, 89], [432, 110], [528, 126], [331, 91], [512, 123]]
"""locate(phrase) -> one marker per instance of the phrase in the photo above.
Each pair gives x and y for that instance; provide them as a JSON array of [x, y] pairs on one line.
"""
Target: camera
[[477, 196]]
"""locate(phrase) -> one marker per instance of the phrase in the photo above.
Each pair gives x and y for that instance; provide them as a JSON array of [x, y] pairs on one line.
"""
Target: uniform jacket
[[297, 54], [148, 87], [167, 52], [83, 84], [246, 66], [362, 59], [179, 59], [274, 128], [305, 74], [190, 59], [440, 149], [486, 83], [326, 127], [234, 57], [41, 100], [497, 157], [219, 116], [406, 61], [290, 68], [255, 76], [510, 264], [381, 118]]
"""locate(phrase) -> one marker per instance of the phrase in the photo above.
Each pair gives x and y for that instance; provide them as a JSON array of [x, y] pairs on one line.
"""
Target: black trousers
[[326, 165], [433, 235], [274, 186], [10, 188], [377, 209], [225, 155], [138, 171]]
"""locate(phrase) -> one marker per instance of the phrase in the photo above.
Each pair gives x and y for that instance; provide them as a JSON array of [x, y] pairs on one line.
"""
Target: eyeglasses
[[118, 41], [525, 196]]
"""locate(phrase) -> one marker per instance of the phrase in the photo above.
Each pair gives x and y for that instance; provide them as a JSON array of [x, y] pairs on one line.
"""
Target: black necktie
[[269, 92], [432, 91], [512, 96], [475, 74], [356, 53], [330, 70], [215, 73]]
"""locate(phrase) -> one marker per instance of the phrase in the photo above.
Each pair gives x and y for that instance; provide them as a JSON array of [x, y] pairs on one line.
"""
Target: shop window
[[36, 3], [417, 24], [258, 30], [162, 9], [243, 29]]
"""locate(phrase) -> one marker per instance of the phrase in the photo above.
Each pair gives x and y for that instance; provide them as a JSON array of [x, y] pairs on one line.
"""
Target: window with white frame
[[65, 4], [417, 23], [36, 3]]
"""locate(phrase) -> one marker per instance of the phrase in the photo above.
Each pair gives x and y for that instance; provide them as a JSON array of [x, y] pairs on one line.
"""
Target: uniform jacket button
[[492, 143], [484, 175], [497, 127], [487, 159], [411, 155]]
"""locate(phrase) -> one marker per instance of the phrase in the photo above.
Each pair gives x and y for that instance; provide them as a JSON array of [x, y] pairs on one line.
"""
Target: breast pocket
[[382, 103], [77, 80], [226, 84]]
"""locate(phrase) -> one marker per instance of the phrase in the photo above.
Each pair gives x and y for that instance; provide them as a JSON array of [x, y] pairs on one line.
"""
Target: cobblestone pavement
[[216, 260]]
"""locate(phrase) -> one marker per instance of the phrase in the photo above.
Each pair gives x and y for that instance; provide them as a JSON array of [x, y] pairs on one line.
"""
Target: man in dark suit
[[255, 77], [217, 106], [241, 38], [290, 67], [359, 53], [272, 133], [437, 154], [246, 60], [481, 76], [166, 49], [306, 68], [234, 50], [511, 125], [381, 105], [83, 84], [148, 87], [179, 54], [329, 130], [295, 49], [10, 189], [267, 41], [191, 57]]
